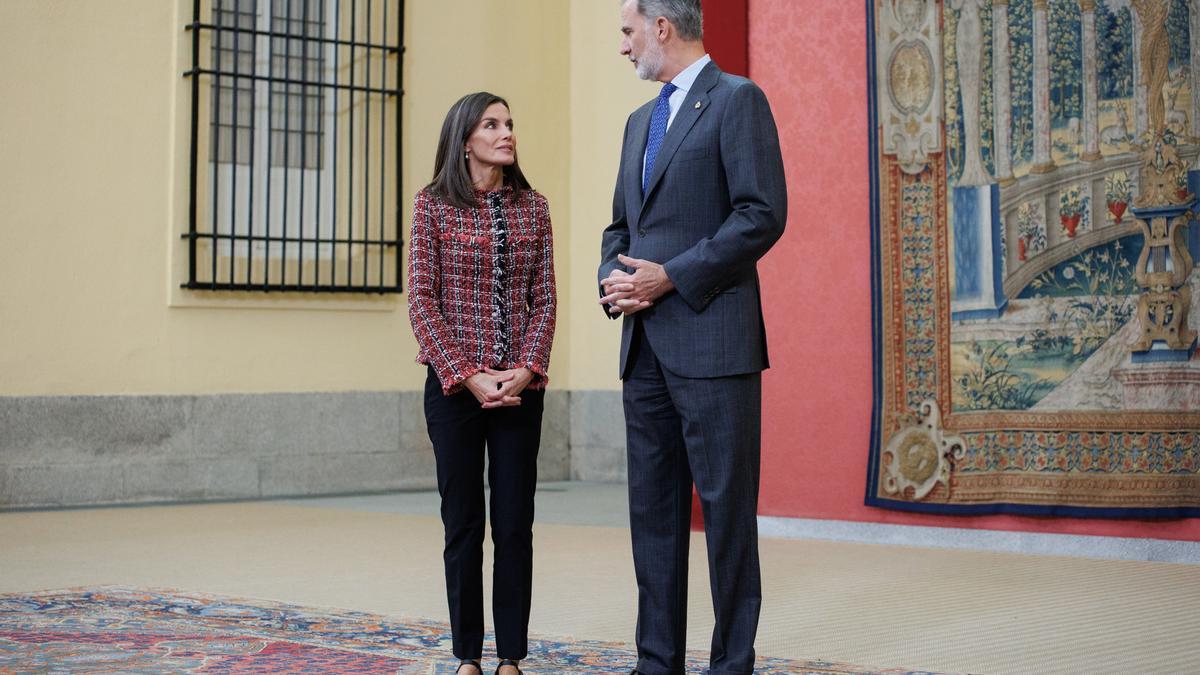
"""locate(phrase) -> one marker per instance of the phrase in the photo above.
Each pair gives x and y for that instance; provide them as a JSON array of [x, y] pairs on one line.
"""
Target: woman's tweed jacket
[[452, 290]]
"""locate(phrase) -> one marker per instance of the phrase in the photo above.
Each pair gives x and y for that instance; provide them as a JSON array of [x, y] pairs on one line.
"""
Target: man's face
[[638, 42]]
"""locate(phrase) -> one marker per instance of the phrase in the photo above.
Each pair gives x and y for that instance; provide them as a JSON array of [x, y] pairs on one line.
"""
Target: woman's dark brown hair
[[451, 177]]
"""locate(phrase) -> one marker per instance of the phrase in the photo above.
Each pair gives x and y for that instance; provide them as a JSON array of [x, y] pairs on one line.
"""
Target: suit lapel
[[692, 108], [635, 153]]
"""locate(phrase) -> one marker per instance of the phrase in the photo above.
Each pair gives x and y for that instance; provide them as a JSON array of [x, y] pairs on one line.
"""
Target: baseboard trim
[[1031, 543]]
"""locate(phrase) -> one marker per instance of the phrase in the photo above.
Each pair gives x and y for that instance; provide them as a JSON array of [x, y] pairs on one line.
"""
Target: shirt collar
[[687, 77]]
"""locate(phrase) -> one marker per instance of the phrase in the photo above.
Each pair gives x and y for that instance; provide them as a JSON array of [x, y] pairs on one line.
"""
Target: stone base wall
[[83, 450]]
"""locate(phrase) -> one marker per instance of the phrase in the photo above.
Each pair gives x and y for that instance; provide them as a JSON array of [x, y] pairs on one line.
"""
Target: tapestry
[[1033, 180], [122, 630]]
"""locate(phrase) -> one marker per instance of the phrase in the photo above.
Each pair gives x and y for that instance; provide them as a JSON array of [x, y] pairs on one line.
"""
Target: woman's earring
[[467, 155]]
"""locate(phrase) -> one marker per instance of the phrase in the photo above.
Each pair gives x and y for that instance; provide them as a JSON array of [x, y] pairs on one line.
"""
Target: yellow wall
[[604, 90], [93, 189]]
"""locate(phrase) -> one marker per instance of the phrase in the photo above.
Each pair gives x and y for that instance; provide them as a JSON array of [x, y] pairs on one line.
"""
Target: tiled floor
[[950, 610]]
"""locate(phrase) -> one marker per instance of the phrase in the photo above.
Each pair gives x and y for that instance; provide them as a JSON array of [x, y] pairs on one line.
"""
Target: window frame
[[351, 241]]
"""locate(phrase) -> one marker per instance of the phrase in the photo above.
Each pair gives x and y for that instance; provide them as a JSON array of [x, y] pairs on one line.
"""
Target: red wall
[[725, 30], [810, 58]]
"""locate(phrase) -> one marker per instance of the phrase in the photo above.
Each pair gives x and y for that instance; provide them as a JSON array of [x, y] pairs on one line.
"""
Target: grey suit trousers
[[681, 430]]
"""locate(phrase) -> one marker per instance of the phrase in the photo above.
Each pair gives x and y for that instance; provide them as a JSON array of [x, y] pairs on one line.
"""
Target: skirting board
[[1032, 543]]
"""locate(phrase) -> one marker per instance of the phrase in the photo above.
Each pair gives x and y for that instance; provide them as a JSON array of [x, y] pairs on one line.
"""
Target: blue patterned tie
[[658, 129]]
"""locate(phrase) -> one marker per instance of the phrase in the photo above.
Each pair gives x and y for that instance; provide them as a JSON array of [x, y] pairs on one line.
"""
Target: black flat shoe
[[469, 662], [508, 662]]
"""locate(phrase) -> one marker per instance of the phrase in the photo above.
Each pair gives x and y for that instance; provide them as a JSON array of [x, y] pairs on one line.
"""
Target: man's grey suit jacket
[[715, 203]]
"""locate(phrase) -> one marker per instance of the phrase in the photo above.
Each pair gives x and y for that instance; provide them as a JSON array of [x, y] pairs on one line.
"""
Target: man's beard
[[651, 62]]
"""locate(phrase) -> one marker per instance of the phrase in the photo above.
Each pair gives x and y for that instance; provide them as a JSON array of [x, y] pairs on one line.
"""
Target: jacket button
[[641, 233]]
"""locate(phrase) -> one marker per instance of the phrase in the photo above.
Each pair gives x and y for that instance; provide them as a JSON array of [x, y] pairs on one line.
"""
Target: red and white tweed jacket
[[451, 290]]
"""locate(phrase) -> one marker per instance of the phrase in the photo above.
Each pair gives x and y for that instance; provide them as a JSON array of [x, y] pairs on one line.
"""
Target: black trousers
[[460, 431]]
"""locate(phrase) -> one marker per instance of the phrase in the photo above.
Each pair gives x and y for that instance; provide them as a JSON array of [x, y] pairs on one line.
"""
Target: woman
[[482, 305]]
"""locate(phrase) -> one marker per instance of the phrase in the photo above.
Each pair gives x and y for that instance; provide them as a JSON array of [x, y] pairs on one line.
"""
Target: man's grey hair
[[685, 15]]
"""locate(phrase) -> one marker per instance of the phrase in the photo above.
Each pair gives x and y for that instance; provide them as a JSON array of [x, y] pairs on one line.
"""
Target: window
[[295, 146]]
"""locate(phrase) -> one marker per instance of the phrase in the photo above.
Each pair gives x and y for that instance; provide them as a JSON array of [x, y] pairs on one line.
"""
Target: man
[[700, 197]]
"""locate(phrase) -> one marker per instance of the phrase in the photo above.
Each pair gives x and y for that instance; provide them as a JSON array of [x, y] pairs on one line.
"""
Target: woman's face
[[492, 142]]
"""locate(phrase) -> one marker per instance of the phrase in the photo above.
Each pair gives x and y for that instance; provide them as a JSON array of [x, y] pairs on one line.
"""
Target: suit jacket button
[[641, 233]]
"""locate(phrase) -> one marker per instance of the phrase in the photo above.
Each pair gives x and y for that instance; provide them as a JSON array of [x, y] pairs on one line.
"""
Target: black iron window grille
[[298, 186]]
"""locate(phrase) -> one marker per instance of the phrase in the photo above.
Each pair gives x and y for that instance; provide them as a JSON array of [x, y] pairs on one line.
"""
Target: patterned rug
[[122, 630]]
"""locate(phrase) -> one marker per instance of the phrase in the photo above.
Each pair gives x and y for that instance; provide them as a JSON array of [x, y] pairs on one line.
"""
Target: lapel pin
[[697, 105]]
